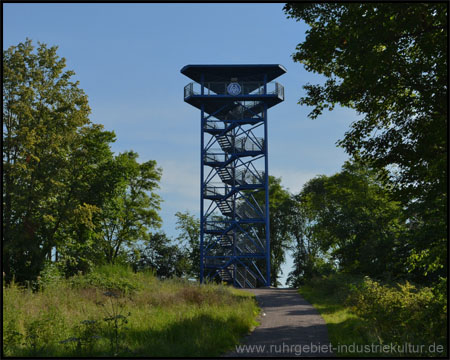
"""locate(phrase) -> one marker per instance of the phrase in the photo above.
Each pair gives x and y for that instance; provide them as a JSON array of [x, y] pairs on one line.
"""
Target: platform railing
[[247, 144], [216, 225], [214, 125], [246, 177], [247, 88], [214, 158], [246, 211], [214, 191]]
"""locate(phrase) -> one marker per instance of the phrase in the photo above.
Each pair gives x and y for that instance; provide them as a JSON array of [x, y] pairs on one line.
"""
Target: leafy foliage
[[280, 222], [44, 115], [351, 219], [65, 196], [162, 256], [402, 313], [389, 63], [308, 258], [128, 216], [189, 238], [361, 311], [107, 277]]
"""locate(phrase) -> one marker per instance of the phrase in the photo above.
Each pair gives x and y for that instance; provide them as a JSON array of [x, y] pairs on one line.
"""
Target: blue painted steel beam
[[202, 186]]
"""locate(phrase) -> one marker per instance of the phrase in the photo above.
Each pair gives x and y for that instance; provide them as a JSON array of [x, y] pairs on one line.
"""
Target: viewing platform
[[216, 84]]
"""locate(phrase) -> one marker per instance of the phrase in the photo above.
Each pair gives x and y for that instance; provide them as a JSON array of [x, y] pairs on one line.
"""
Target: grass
[[379, 316], [328, 296], [115, 312]]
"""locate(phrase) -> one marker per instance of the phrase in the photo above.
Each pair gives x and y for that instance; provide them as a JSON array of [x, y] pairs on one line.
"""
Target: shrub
[[110, 278], [402, 313], [12, 334], [335, 285], [51, 275]]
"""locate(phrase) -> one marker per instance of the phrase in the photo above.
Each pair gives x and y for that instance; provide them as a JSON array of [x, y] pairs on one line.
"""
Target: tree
[[128, 215], [351, 217], [90, 182], [189, 238], [280, 222], [63, 188], [308, 259], [167, 259], [45, 131], [389, 63]]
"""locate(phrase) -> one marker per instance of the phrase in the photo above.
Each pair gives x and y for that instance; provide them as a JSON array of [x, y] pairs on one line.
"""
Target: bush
[[402, 313], [337, 285], [110, 278], [50, 275], [12, 333]]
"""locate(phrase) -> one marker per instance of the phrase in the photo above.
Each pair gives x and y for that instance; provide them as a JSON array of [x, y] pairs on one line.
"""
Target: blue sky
[[128, 57]]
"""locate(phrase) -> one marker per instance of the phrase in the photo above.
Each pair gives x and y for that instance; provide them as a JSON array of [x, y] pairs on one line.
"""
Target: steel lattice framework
[[234, 213]]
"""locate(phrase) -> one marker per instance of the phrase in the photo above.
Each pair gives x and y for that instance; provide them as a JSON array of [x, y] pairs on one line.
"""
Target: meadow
[[113, 311]]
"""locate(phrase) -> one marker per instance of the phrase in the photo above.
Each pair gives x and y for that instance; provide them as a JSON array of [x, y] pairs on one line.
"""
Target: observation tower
[[234, 206]]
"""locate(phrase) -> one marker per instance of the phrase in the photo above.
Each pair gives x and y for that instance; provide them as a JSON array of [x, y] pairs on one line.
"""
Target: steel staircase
[[225, 175], [226, 240], [226, 207], [225, 142], [234, 100]]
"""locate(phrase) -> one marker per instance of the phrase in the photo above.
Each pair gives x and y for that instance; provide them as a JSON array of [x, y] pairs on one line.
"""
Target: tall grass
[[115, 312]]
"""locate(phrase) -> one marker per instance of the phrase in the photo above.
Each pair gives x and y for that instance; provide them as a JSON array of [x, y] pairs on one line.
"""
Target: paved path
[[291, 327]]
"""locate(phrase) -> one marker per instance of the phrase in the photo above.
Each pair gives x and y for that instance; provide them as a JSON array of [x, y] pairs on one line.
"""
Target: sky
[[128, 57]]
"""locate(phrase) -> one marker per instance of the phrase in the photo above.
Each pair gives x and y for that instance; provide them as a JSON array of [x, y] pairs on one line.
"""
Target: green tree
[[45, 150], [389, 63], [280, 222], [90, 184], [165, 258], [352, 217], [133, 210], [63, 188], [308, 259], [189, 239]]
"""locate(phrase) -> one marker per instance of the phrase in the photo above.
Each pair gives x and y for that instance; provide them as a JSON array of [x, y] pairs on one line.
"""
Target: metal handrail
[[247, 144], [246, 177], [245, 277], [247, 88], [214, 191], [214, 158], [214, 125], [245, 211]]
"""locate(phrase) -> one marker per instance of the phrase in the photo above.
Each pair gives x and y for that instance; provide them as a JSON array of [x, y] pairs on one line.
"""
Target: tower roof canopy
[[243, 72]]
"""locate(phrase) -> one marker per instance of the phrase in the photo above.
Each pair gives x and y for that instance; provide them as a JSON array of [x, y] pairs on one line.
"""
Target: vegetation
[[116, 312], [389, 63], [65, 194], [384, 215], [328, 296], [369, 242], [362, 311], [280, 222], [350, 220]]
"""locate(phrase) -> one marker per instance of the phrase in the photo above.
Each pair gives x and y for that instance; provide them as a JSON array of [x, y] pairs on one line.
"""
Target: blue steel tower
[[234, 207]]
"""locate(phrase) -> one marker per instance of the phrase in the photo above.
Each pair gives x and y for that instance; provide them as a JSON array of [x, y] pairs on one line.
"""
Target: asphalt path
[[289, 326]]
